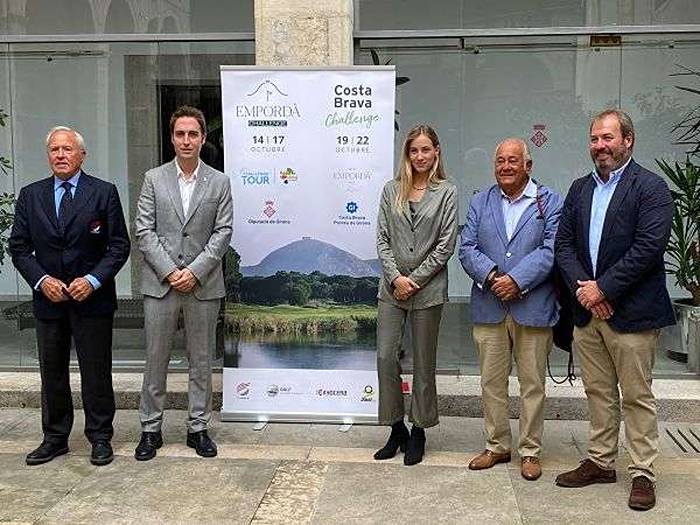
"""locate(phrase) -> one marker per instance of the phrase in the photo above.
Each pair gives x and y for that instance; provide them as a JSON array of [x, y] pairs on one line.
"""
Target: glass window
[[544, 90], [74, 17], [119, 96], [472, 14]]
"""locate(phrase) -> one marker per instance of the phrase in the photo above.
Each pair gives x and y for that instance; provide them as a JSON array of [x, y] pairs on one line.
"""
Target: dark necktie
[[66, 202]]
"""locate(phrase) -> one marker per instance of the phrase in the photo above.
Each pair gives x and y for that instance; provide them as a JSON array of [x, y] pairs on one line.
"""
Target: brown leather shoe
[[530, 468], [642, 495], [487, 459], [587, 473]]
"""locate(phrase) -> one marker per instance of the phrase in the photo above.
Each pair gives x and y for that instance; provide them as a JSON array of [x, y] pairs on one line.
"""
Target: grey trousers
[[160, 316], [425, 326]]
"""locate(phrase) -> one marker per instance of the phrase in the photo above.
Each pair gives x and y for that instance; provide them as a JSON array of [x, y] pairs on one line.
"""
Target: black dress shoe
[[415, 448], [150, 442], [397, 441], [201, 443], [46, 452], [102, 453]]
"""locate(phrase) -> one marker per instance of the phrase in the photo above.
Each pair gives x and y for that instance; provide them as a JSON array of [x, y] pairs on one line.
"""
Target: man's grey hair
[[78, 137], [515, 140]]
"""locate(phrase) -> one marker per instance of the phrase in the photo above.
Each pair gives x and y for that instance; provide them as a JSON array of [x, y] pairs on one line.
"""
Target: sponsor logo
[[255, 177], [322, 392], [243, 389], [352, 180], [267, 105], [273, 390], [269, 209], [352, 175], [351, 216], [367, 394], [288, 175]]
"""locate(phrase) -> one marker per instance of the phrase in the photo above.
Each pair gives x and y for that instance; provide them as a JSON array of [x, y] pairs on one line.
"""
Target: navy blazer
[[630, 267], [95, 241]]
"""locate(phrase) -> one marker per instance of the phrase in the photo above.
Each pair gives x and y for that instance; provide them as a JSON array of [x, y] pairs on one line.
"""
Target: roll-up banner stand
[[308, 151]]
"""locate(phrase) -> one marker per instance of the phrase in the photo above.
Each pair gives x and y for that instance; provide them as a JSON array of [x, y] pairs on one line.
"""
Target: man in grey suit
[[507, 248], [183, 228]]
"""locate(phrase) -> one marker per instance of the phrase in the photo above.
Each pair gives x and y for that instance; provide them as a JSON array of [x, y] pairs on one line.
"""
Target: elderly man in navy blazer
[[614, 229], [507, 248], [68, 241]]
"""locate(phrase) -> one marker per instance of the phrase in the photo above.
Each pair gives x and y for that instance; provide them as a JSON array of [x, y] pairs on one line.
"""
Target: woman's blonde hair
[[405, 173]]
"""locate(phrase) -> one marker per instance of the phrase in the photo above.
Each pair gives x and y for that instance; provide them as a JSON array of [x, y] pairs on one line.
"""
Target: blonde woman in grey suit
[[416, 232]]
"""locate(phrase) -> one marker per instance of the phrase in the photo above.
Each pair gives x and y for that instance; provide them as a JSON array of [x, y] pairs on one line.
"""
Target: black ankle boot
[[397, 440], [415, 448]]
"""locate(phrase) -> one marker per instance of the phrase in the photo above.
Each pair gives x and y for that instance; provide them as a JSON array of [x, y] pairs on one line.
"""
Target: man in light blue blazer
[[507, 248]]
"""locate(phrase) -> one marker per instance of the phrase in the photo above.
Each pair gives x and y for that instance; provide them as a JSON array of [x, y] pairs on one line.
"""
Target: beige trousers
[[609, 358], [497, 344]]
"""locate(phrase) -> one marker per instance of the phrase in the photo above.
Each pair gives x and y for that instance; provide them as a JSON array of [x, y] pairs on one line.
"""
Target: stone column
[[303, 32]]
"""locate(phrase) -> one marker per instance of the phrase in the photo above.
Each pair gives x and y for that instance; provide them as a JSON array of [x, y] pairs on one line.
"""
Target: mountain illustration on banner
[[311, 255]]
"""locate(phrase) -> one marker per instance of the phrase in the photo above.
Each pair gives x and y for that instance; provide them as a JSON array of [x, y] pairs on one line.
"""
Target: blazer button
[[410, 250], [185, 234], [508, 254], [179, 256]]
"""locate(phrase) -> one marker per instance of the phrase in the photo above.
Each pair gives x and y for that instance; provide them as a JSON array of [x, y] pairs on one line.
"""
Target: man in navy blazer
[[68, 241], [613, 232], [507, 248]]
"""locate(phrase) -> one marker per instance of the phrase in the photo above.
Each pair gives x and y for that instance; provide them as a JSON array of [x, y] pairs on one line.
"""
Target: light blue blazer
[[528, 257]]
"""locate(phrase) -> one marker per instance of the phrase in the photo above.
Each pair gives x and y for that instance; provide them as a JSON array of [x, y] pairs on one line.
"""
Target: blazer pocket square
[[95, 227]]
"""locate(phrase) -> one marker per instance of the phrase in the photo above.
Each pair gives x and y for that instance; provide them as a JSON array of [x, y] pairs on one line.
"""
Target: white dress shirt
[[186, 185]]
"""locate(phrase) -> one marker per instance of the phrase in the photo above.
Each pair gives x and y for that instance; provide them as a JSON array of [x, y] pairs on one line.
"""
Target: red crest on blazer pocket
[[96, 227]]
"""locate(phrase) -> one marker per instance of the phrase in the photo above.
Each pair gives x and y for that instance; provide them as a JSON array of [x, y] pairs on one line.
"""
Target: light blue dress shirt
[[514, 209], [58, 192], [602, 194]]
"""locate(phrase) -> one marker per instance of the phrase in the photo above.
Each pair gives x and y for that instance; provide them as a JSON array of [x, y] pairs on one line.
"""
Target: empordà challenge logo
[[267, 105]]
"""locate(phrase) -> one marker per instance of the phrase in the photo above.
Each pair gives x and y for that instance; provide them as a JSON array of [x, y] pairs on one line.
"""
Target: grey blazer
[[417, 247], [168, 240]]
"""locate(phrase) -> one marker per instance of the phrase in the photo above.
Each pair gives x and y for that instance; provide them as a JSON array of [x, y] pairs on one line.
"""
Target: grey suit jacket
[[170, 240], [417, 247]]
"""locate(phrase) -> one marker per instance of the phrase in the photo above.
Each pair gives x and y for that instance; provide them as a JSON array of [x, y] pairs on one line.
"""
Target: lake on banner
[[326, 351]]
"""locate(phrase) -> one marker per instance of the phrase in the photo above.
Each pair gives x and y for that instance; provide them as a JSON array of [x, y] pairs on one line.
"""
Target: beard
[[609, 159]]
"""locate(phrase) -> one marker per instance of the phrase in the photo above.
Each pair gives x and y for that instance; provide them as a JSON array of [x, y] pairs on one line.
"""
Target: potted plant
[[683, 251], [7, 201]]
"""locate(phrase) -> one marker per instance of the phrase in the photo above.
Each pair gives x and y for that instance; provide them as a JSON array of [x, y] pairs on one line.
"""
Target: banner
[[308, 152], [255, 394]]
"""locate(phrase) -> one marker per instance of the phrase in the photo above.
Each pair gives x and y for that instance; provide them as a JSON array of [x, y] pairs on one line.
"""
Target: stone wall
[[303, 32]]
